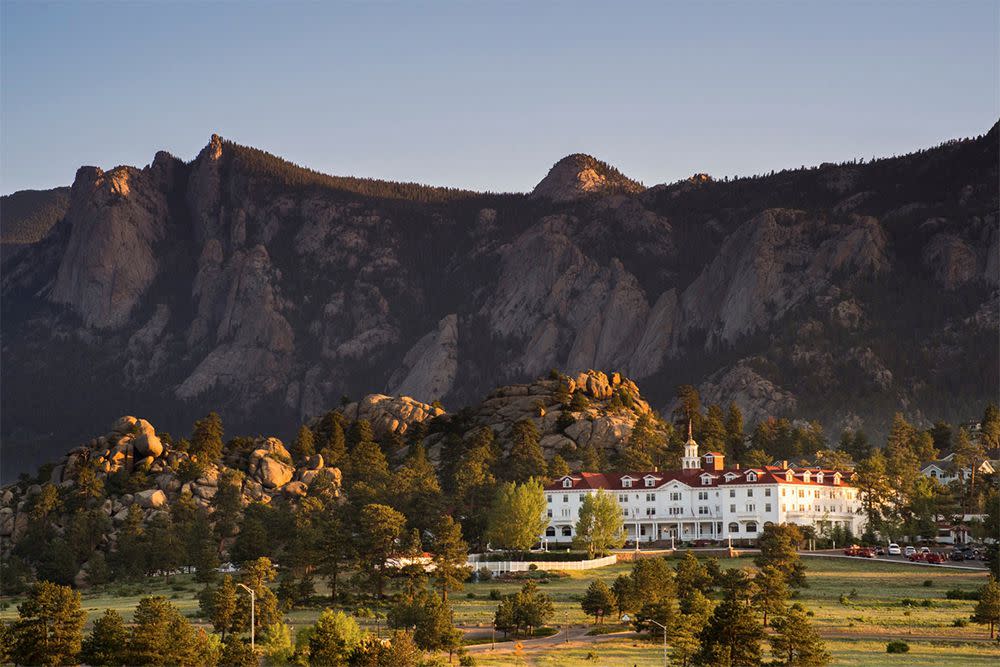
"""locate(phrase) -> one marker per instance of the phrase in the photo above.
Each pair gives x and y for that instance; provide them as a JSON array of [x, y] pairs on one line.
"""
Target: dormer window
[[836, 478], [706, 480], [730, 476], [806, 476], [627, 483], [819, 477], [789, 475], [567, 483], [650, 481], [751, 476]]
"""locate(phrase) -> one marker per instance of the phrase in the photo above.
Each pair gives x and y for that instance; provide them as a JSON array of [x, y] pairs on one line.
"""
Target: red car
[[853, 550], [935, 558], [918, 557], [868, 552]]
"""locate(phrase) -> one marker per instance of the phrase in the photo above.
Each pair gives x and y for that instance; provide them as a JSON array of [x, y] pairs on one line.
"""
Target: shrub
[[470, 595], [591, 655], [532, 567], [844, 599], [959, 594], [927, 603], [897, 647], [908, 602], [467, 660], [928, 583], [495, 594], [959, 623]]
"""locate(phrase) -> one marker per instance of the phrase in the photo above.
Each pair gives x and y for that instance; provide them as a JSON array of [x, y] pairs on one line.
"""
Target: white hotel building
[[707, 501]]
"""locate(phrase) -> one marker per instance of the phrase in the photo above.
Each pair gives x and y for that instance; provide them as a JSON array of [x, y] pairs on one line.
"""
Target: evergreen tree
[[416, 489], [330, 439], [688, 410], [237, 653], [369, 474], [203, 548], [598, 600], [160, 635], [252, 540], [431, 620], [731, 637], [224, 606], [643, 446], [779, 548], [770, 591], [129, 557], [206, 439], [526, 459], [872, 480], [105, 645], [988, 609], [334, 636], [360, 431], [380, 531], [227, 502], [599, 527], [990, 427], [450, 555], [653, 580], [304, 444], [796, 642], [336, 545], [98, 572], [713, 430], [735, 437], [590, 458], [49, 627], [684, 643], [257, 574], [558, 467], [626, 597], [691, 575]]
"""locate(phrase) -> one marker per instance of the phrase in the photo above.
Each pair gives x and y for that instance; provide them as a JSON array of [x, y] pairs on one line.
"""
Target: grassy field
[[856, 630]]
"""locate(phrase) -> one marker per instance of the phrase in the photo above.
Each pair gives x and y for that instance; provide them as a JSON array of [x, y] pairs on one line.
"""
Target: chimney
[[737, 466], [784, 465]]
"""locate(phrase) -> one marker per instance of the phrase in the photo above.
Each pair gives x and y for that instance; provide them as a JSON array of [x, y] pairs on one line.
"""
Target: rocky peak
[[578, 175]]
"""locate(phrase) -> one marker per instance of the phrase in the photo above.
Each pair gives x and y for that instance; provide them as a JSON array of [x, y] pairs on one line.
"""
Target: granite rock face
[[241, 283]]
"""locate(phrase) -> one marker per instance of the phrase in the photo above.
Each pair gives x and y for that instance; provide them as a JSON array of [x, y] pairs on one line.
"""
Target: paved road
[[973, 565]]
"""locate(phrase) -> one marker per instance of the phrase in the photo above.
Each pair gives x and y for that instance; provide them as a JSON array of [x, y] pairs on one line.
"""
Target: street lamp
[[625, 617], [253, 599]]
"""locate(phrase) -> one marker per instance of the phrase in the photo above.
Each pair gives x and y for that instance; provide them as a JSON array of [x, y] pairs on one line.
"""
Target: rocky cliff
[[242, 283]]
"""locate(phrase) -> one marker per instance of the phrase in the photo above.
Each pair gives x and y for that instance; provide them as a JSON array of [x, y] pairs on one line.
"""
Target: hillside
[[243, 283]]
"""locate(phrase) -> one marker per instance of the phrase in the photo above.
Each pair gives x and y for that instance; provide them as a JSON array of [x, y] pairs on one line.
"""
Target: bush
[[897, 647], [591, 655], [908, 602], [467, 660], [959, 623], [928, 583], [927, 603], [470, 595], [532, 567], [959, 594], [495, 594], [844, 599]]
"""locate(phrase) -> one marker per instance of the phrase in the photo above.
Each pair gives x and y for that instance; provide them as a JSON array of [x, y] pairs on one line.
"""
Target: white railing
[[497, 567]]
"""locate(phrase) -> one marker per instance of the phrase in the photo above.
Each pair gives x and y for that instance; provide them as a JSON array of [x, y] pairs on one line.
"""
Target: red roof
[[612, 481]]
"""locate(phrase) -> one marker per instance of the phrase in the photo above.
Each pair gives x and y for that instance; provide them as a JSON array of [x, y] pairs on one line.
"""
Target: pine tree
[[526, 459], [735, 437], [779, 548], [626, 597], [416, 489], [49, 627], [684, 643], [450, 555], [304, 445], [206, 439], [990, 427], [360, 431], [598, 600], [988, 608], [642, 447], [257, 574], [795, 640], [336, 545], [330, 439], [380, 529], [731, 637], [691, 575], [105, 645], [558, 467], [369, 474], [203, 548], [224, 606], [770, 591]]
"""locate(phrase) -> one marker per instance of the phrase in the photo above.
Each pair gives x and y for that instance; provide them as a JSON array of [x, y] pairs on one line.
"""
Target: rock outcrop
[[389, 414]]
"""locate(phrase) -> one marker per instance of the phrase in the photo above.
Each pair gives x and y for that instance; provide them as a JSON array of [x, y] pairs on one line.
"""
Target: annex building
[[705, 500]]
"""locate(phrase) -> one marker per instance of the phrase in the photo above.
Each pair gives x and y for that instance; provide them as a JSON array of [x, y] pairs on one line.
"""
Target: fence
[[498, 567]]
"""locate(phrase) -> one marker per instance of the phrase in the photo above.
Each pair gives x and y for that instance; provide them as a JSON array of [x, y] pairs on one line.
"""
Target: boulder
[[124, 424], [151, 498], [6, 521], [146, 442], [274, 474], [206, 492], [298, 489], [314, 462]]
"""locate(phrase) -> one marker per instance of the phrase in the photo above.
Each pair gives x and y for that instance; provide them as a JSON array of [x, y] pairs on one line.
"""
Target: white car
[[925, 550], [894, 550], [909, 551]]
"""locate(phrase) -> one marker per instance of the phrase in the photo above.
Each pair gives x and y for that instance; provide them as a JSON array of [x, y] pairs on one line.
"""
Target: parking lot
[[961, 564]]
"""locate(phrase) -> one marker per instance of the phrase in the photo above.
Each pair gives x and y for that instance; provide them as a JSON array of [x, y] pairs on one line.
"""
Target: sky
[[488, 95]]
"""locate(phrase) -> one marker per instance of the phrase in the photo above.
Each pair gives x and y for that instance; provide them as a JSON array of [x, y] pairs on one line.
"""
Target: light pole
[[253, 599], [625, 617]]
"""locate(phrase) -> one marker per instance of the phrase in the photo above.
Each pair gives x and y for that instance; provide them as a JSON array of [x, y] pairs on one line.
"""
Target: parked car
[[894, 550], [936, 558], [925, 550], [880, 550], [867, 552], [909, 551], [917, 557], [956, 554]]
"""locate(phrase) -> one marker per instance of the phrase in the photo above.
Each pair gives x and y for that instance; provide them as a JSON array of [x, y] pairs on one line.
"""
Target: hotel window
[[650, 497], [751, 477], [751, 507], [783, 492], [548, 498], [703, 495], [749, 493], [767, 493], [676, 511], [625, 511], [650, 511], [802, 494], [567, 483], [565, 512], [734, 528], [627, 483], [732, 493], [817, 493], [565, 497], [623, 497], [675, 495], [650, 482], [549, 512], [751, 527], [702, 510], [767, 507], [732, 509]]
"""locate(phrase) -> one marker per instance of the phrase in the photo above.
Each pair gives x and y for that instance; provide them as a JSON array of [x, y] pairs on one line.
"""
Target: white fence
[[501, 566]]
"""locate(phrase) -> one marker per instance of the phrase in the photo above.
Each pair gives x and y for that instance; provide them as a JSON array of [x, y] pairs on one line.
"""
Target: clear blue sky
[[489, 95]]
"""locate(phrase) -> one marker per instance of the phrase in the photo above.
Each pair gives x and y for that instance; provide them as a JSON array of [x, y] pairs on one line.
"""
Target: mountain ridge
[[244, 283]]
